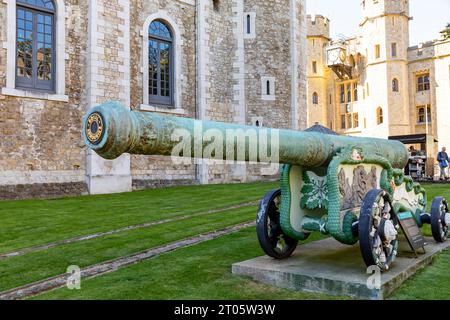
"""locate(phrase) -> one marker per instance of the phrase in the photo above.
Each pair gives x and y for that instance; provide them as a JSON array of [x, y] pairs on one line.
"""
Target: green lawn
[[33, 222], [198, 272], [16, 271]]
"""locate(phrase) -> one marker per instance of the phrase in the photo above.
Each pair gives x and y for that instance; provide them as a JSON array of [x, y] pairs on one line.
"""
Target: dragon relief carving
[[363, 182]]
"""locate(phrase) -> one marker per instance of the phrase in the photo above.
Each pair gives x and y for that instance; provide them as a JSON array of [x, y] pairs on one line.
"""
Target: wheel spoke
[[270, 233], [379, 233]]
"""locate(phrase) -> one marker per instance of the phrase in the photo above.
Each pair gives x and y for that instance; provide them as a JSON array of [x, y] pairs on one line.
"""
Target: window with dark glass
[[343, 126], [342, 93], [395, 87], [349, 121], [160, 63], [35, 44], [423, 82], [422, 117], [349, 92], [394, 49], [315, 98]]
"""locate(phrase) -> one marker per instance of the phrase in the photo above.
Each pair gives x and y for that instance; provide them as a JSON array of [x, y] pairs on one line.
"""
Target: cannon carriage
[[352, 189]]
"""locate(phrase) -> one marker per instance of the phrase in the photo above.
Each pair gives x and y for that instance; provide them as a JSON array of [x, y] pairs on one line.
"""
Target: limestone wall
[[383, 23], [149, 171], [432, 58], [41, 153], [317, 70], [218, 76]]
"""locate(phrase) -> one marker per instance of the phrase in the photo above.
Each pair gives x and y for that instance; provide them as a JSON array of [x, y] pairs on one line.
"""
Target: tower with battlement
[[385, 39], [375, 84], [318, 35]]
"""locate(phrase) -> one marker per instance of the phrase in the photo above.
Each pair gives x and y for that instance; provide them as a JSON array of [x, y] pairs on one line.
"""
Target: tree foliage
[[446, 32]]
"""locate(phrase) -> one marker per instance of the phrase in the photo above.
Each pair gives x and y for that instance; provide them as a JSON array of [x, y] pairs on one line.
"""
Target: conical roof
[[321, 129]]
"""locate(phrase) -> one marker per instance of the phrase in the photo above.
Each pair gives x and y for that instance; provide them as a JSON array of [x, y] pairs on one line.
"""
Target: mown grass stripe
[[31, 223], [128, 228], [115, 264], [36, 266]]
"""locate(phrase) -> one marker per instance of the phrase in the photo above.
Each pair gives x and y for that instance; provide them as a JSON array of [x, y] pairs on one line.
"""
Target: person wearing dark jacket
[[442, 158]]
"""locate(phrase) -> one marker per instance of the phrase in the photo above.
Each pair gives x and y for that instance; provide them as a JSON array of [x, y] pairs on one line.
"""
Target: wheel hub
[[390, 232], [377, 230], [447, 219]]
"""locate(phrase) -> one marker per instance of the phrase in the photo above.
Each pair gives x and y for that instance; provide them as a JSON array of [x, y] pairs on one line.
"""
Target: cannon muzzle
[[111, 130]]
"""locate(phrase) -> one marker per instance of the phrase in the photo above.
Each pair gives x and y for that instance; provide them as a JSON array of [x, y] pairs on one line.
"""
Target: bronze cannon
[[351, 188]]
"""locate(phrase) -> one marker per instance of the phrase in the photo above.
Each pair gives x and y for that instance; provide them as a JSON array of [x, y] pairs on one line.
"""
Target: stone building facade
[[375, 84], [223, 56]]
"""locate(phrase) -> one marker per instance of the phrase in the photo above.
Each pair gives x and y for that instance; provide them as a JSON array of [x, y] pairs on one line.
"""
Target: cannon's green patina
[[151, 134], [326, 181]]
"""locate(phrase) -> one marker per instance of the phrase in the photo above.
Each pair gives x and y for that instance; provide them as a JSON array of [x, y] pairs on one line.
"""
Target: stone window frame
[[423, 82], [355, 118], [377, 51], [343, 122], [165, 100], [394, 51], [10, 46], [342, 95], [315, 98], [424, 117], [349, 120], [249, 22], [355, 92], [176, 108], [33, 82], [380, 116], [268, 88], [258, 121], [395, 85], [349, 92]]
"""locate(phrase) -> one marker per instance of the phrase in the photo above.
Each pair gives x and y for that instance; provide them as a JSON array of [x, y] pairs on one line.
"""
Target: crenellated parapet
[[318, 26]]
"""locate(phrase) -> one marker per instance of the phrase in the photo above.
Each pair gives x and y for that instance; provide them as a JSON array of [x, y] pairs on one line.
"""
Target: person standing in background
[[442, 158]]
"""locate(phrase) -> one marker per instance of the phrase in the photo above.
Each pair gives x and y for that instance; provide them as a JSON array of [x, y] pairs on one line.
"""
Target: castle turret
[[375, 8], [318, 26], [318, 34], [385, 32]]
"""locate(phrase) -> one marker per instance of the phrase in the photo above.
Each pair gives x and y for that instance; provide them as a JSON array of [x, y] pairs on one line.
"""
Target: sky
[[430, 17]]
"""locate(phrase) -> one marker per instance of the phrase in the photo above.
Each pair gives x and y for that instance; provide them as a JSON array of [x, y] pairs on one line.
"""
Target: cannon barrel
[[112, 130]]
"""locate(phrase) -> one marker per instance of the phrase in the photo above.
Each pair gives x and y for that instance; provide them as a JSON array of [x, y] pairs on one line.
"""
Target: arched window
[[395, 87], [160, 63], [35, 44], [349, 92], [380, 118], [355, 91], [315, 98], [351, 60], [422, 117]]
